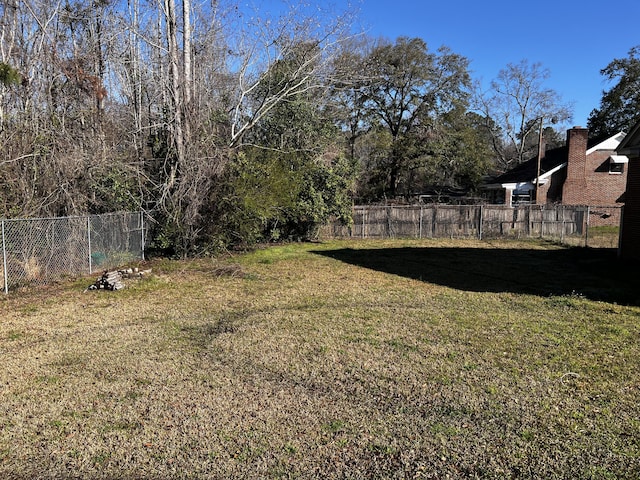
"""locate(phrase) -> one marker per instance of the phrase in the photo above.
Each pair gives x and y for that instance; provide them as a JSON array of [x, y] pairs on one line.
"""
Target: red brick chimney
[[576, 183]]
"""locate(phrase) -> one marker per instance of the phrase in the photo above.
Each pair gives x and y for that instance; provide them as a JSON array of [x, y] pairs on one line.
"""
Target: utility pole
[[539, 161]]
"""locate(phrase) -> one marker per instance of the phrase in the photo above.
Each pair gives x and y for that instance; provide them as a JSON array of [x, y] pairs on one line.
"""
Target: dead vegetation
[[296, 364], [233, 270]]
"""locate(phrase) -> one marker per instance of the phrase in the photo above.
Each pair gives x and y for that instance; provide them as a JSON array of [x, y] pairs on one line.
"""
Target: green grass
[[390, 359], [605, 236]]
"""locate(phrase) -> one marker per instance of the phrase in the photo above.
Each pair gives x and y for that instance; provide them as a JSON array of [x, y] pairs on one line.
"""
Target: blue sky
[[574, 40]]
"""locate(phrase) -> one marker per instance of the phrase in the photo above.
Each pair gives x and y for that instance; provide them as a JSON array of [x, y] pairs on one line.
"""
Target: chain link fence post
[[89, 244], [586, 227], [5, 275], [142, 238]]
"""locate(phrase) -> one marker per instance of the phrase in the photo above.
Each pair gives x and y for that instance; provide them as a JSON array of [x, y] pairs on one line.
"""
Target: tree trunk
[[177, 110], [186, 62]]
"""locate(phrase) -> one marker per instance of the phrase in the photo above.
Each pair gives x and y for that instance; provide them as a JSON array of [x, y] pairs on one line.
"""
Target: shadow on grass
[[593, 273]]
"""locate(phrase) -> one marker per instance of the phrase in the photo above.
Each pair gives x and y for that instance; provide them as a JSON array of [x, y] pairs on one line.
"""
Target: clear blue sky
[[574, 40]]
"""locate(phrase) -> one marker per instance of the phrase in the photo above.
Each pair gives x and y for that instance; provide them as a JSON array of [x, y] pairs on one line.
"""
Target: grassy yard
[[605, 236], [394, 359]]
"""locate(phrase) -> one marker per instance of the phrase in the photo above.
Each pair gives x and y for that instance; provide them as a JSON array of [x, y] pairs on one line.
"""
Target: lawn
[[378, 359]]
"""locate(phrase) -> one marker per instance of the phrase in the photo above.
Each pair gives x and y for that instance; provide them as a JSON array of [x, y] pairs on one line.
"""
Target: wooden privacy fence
[[562, 223]]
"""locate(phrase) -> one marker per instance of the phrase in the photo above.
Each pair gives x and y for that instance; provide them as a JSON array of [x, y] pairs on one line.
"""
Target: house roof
[[606, 143], [553, 160], [619, 159], [527, 171], [631, 143]]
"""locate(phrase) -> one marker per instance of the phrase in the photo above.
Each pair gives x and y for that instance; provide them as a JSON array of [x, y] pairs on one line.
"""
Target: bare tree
[[514, 106], [268, 42], [186, 55]]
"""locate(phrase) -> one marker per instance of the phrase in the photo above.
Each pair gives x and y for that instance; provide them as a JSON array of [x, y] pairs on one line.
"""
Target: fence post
[[89, 244], [620, 231], [420, 230], [5, 270], [586, 227], [142, 239], [562, 225], [434, 220], [364, 210], [480, 224]]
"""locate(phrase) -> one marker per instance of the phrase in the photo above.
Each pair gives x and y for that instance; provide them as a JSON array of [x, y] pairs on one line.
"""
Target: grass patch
[[390, 359], [604, 236]]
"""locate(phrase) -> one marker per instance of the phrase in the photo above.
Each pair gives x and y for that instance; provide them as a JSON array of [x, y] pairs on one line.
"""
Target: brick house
[[630, 234], [583, 172]]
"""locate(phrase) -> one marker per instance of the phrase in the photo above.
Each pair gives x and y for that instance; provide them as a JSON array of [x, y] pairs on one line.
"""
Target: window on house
[[520, 199], [616, 164], [616, 168]]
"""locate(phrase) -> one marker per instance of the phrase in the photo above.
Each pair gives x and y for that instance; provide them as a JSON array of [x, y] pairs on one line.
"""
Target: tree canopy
[[620, 105], [398, 112]]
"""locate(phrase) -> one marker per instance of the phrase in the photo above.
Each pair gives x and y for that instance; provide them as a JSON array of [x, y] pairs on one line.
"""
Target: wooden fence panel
[[471, 221]]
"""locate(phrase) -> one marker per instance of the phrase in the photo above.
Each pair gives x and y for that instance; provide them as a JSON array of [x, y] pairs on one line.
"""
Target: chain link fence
[[41, 250], [572, 225]]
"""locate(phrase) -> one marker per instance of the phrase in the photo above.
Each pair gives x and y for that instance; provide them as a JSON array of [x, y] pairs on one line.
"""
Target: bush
[[268, 196]]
